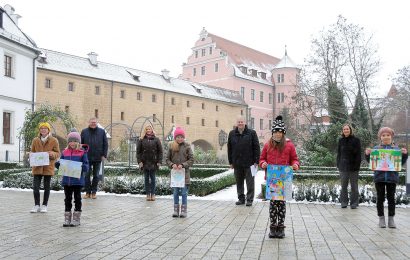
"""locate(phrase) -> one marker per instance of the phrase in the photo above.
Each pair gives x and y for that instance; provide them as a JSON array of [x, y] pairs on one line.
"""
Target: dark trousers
[[381, 188], [36, 189], [69, 191], [242, 174], [150, 186], [354, 195], [94, 170], [277, 213]]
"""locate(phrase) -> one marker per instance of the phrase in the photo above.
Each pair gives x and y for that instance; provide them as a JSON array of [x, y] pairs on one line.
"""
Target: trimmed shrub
[[4, 173]]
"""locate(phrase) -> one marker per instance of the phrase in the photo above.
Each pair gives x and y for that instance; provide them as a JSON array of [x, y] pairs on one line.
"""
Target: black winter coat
[[349, 154], [149, 152], [243, 149], [96, 139]]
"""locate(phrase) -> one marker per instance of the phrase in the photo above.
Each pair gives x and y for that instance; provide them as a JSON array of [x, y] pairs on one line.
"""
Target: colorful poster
[[178, 178], [385, 160], [39, 159], [70, 168], [279, 182]]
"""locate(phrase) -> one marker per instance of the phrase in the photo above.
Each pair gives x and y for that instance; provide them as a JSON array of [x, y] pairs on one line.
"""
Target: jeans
[[354, 196], [150, 187], [68, 191], [94, 169], [36, 189], [184, 194], [242, 174], [381, 188]]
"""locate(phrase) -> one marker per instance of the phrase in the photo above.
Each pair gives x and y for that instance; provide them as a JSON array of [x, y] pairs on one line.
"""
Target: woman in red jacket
[[278, 151]]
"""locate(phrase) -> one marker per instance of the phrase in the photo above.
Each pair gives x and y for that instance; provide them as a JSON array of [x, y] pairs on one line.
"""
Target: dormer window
[[254, 73], [244, 70], [134, 76], [1, 18], [262, 75]]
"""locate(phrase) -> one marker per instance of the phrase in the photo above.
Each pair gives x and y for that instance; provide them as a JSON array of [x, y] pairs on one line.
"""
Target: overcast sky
[[157, 34]]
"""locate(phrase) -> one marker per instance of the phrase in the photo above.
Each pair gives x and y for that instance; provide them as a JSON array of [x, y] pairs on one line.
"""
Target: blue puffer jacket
[[78, 156], [388, 176]]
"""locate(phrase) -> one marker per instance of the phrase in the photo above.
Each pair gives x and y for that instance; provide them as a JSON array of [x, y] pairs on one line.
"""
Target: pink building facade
[[266, 83]]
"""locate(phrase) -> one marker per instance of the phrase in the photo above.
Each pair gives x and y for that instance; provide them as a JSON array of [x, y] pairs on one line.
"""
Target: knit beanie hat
[[74, 136], [385, 130], [179, 131], [44, 124], [278, 125]]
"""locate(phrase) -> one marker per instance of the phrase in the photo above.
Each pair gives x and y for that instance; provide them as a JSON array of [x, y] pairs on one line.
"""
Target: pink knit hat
[[386, 130], [74, 136], [179, 131]]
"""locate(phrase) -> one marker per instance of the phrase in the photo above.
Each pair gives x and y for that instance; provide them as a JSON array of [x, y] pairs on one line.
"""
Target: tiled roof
[[66, 63]]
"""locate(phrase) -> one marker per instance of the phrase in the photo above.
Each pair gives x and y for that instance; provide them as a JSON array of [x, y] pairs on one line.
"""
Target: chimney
[[92, 57], [10, 11], [165, 74]]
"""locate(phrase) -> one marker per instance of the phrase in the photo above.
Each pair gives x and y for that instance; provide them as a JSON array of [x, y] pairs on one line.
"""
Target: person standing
[[44, 142], [149, 157], [348, 162], [386, 181], [96, 140], [243, 152]]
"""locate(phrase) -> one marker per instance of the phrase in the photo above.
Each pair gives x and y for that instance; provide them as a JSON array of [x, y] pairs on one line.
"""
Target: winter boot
[[183, 211], [273, 232], [382, 222], [176, 211], [280, 232], [67, 219], [76, 218], [148, 197], [152, 197], [390, 222]]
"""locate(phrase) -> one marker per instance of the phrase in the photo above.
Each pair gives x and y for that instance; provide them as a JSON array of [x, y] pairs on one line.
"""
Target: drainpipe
[[111, 108], [163, 118], [34, 83]]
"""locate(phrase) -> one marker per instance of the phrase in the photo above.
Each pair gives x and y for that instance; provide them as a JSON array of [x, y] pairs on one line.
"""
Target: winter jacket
[[288, 155], [78, 156], [149, 152], [243, 149], [50, 145], [387, 176], [96, 139], [348, 154], [184, 156]]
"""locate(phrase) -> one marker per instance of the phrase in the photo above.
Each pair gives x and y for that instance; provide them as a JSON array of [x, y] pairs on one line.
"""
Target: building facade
[[122, 98], [17, 81]]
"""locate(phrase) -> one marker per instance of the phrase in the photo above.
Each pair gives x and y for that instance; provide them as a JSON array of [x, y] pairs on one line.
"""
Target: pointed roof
[[286, 62]]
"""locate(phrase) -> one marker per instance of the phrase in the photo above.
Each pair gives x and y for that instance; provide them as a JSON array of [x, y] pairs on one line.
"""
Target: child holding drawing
[[278, 151], [179, 157], [73, 185], [385, 181]]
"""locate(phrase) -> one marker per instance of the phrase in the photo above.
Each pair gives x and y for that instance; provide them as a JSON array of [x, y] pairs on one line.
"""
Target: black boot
[[273, 232], [280, 232]]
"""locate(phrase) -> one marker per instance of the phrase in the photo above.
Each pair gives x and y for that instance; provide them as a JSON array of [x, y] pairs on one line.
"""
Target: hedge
[[8, 165], [4, 173]]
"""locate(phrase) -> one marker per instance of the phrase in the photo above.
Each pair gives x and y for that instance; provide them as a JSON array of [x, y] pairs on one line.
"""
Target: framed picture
[[70, 168], [385, 160], [178, 178], [39, 159], [279, 182]]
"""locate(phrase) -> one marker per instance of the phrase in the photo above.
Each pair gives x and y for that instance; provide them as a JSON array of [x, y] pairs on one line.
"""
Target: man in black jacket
[[243, 152], [96, 139]]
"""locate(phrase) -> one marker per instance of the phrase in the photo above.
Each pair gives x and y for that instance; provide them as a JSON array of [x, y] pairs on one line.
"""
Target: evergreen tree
[[336, 105], [360, 116]]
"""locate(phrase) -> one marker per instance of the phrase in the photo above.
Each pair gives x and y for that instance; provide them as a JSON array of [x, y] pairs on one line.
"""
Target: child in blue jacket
[[386, 181], [73, 152]]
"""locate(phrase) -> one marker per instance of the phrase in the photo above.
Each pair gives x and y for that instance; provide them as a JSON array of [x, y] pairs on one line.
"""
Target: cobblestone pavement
[[126, 227]]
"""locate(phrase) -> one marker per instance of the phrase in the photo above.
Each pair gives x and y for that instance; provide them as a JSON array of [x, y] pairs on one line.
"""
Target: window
[[67, 109], [261, 96], [122, 94], [139, 96], [254, 73], [270, 124], [196, 54], [216, 123], [187, 120], [243, 92], [8, 62], [172, 119], [203, 105], [281, 97], [172, 101], [48, 83], [96, 113], [244, 70], [252, 94], [194, 72], [281, 78], [261, 124], [216, 67], [97, 90], [6, 128], [210, 50], [154, 117], [70, 86], [217, 108], [203, 52], [203, 122], [252, 122], [203, 70], [188, 104], [154, 98], [270, 98], [122, 116], [263, 75], [1, 19]]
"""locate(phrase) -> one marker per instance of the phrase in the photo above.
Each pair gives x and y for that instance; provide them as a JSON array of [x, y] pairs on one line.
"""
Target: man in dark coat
[[96, 139], [243, 152]]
